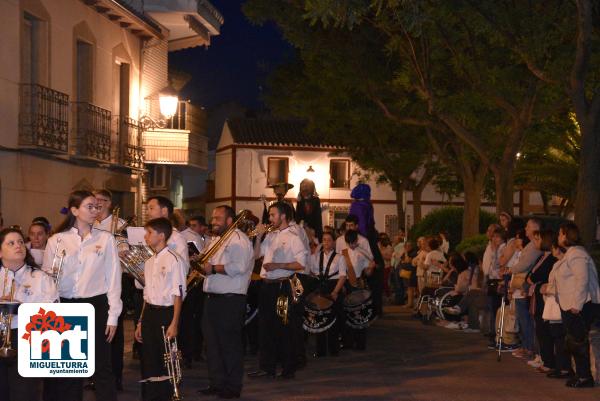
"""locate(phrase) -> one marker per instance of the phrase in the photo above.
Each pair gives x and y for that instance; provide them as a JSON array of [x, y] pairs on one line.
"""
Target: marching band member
[[159, 206], [284, 253], [91, 273], [104, 221], [20, 276], [39, 231], [357, 262], [330, 268], [164, 290], [227, 278], [363, 243], [199, 226]]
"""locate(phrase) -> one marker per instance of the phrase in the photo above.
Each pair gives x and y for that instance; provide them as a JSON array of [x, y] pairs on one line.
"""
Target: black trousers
[[544, 338], [558, 333], [352, 338], [222, 323], [576, 341], [276, 339], [191, 323], [330, 340], [138, 303], [117, 349], [64, 389], [13, 387], [153, 350], [250, 331]]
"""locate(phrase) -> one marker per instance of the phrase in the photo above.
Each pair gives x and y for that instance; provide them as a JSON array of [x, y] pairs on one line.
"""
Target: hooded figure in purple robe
[[361, 207]]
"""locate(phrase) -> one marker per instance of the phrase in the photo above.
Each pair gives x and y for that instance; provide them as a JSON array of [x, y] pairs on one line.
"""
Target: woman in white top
[[20, 277], [39, 231], [91, 273]]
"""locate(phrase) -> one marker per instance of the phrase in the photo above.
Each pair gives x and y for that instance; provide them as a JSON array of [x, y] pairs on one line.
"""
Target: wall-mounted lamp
[[168, 101]]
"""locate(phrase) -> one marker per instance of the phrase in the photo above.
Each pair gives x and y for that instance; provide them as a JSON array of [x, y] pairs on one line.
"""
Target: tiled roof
[[270, 131]]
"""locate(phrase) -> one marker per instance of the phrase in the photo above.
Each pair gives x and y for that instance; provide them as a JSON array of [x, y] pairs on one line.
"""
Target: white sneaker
[[463, 325], [453, 325], [537, 362]]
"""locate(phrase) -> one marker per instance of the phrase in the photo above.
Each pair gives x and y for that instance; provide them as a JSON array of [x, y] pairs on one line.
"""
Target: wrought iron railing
[[92, 131], [43, 118], [131, 152]]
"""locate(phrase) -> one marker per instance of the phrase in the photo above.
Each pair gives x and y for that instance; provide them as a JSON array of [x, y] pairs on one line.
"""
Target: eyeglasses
[[92, 207]]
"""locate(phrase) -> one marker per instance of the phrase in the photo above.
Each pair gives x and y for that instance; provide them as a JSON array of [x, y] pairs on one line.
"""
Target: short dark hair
[[471, 258], [42, 222], [537, 221], [351, 236], [163, 202], [500, 232], [515, 225], [351, 218], [433, 243], [571, 231], [104, 192], [283, 208], [229, 212], [458, 262], [329, 233], [547, 237], [161, 225], [200, 219]]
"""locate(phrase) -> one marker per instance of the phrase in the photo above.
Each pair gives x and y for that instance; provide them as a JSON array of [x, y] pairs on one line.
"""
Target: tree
[[554, 39]]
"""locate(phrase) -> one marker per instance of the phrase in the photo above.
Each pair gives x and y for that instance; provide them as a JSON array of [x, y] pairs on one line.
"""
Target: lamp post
[[168, 101]]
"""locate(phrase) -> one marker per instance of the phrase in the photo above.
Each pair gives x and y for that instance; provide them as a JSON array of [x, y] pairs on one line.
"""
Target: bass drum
[[359, 309], [319, 314]]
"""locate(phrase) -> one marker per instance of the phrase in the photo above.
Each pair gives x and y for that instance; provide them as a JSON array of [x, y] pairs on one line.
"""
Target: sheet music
[[135, 235]]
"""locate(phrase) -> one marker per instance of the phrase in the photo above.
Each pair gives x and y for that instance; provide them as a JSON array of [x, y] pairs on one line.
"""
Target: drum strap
[[329, 262]]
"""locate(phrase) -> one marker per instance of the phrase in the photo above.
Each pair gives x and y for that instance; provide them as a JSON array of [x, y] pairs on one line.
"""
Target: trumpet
[[172, 360], [57, 264], [6, 316], [254, 232]]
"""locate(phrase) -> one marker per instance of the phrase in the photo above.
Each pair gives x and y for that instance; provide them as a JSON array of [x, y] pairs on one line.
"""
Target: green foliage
[[448, 219], [475, 244]]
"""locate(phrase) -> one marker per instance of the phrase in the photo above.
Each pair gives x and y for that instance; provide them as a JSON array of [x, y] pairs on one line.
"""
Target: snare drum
[[359, 309], [319, 314]]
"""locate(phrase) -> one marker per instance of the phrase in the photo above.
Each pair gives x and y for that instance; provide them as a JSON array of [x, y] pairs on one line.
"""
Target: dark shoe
[[580, 383], [119, 384], [210, 390], [557, 374], [90, 386], [318, 355], [228, 394], [286, 376], [260, 373]]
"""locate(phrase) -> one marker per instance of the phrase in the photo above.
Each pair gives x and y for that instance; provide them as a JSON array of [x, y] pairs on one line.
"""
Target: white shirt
[[38, 254], [106, 224], [178, 244], [363, 243], [359, 261], [283, 246], [431, 260], [30, 286], [91, 267], [337, 268], [237, 256], [164, 275], [192, 236], [445, 247]]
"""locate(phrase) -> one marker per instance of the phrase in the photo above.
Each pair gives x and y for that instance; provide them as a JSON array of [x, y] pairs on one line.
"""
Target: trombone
[[196, 274]]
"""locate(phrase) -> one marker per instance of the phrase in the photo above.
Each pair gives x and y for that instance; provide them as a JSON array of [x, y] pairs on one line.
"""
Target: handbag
[[405, 274], [551, 309]]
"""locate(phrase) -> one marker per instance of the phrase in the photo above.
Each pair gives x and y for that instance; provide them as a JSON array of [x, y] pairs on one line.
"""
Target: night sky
[[234, 67]]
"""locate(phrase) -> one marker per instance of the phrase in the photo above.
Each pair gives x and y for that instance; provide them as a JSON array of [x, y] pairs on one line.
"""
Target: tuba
[[196, 264], [57, 263], [172, 360], [133, 260]]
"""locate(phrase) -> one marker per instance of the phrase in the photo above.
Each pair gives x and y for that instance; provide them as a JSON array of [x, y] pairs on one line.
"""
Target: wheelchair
[[435, 298]]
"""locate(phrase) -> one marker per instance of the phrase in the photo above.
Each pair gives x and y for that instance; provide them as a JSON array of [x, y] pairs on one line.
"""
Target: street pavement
[[404, 360]]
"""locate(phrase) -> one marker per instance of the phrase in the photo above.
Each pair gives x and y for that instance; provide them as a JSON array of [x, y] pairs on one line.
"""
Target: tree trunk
[[504, 178], [417, 210], [588, 183], [471, 209], [401, 212]]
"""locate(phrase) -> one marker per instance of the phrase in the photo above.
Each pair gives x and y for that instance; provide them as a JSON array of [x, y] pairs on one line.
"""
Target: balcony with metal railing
[[182, 142], [43, 119], [130, 151], [92, 132]]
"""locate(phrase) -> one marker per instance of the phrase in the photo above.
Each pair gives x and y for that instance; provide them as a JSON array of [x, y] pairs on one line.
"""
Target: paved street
[[404, 361]]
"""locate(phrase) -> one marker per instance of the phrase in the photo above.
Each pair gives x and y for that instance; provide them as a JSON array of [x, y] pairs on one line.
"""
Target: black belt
[[91, 300], [158, 306], [226, 295]]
